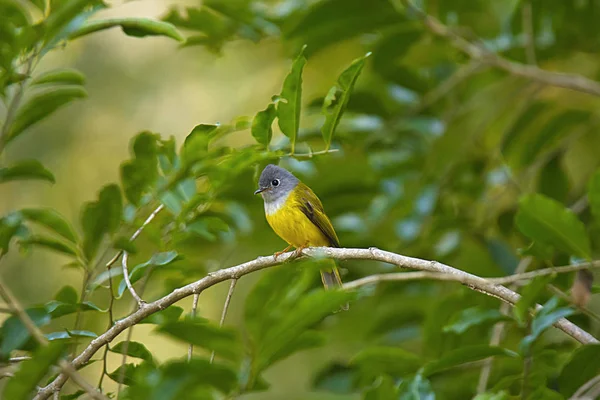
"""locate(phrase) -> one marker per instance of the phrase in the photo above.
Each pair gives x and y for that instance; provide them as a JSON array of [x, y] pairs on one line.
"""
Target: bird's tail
[[332, 280]]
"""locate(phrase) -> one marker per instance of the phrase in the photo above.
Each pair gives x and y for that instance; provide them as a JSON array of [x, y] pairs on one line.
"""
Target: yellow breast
[[292, 225]]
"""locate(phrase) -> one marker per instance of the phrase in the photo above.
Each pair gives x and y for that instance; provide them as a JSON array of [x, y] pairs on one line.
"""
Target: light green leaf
[[200, 332], [28, 169], [465, 355], [157, 260], [139, 175], [11, 226], [138, 27], [14, 334], [41, 105], [32, 371], [290, 103], [52, 220], [547, 221], [262, 129], [101, 217], [383, 389], [64, 13], [337, 98], [67, 76], [529, 296], [392, 361], [49, 243], [544, 318], [594, 195], [473, 316], [133, 349]]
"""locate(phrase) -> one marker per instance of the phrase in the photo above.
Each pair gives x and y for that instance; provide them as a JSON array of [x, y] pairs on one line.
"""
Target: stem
[[194, 308], [225, 308]]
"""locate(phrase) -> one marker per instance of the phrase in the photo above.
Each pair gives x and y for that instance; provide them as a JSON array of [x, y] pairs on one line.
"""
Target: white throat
[[272, 207]]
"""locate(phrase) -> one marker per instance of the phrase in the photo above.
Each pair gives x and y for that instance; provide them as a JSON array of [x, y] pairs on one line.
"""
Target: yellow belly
[[293, 226]]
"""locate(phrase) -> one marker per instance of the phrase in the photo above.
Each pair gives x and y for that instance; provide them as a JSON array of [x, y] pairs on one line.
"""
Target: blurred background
[[433, 154]]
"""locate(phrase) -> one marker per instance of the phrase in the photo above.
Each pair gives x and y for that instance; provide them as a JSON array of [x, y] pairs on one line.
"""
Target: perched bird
[[296, 214]]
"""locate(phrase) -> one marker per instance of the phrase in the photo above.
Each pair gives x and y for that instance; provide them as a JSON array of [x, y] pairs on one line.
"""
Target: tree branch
[[474, 282], [478, 52], [225, 308]]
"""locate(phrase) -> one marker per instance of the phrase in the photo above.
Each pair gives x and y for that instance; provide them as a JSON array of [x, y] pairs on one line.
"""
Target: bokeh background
[[433, 154]]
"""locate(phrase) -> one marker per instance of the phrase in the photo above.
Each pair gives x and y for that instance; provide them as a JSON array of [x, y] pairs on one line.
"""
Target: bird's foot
[[277, 254]]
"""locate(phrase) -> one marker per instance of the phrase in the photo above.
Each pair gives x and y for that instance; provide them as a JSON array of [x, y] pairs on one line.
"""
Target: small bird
[[296, 215]]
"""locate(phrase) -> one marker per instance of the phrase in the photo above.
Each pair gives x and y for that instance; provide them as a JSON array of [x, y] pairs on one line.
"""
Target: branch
[[225, 308], [194, 308], [472, 281], [36, 333], [478, 52], [134, 294]]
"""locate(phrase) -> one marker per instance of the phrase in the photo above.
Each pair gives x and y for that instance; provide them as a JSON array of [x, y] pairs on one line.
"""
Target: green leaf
[[139, 174], [52, 220], [66, 335], [66, 76], [101, 217], [200, 332], [290, 102], [178, 378], [11, 226], [27, 169], [14, 334], [493, 396], [547, 221], [50, 244], [306, 340], [262, 129], [583, 366], [125, 374], [544, 318], [383, 389], [392, 361], [529, 296], [133, 349], [473, 316], [195, 145], [594, 195], [309, 310], [67, 294], [336, 100], [64, 13], [32, 371], [73, 396], [124, 243], [168, 315], [417, 388], [137, 27], [41, 105], [157, 260], [465, 355]]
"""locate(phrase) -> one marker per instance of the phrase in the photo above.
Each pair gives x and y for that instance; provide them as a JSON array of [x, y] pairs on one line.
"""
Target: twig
[[111, 321], [36, 333], [14, 360], [225, 308], [485, 56], [472, 281], [527, 22], [194, 308], [311, 154], [137, 298]]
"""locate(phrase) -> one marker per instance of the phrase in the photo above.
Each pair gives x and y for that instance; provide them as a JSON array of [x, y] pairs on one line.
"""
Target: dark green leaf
[[336, 378], [124, 243], [473, 316], [133, 349], [392, 361], [583, 366], [52, 220], [11, 226], [544, 318], [465, 355], [594, 195], [125, 374], [138, 27], [157, 260], [547, 221], [202, 333], [101, 217], [67, 294], [41, 105], [14, 333], [28, 169], [31, 372], [141, 172], [49, 243], [262, 129], [306, 340], [529, 296], [65, 335], [290, 103], [63, 75], [336, 100], [179, 377], [168, 315], [73, 396], [195, 145]]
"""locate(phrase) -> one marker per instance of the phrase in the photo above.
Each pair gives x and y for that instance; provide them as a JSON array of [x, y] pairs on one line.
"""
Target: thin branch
[[579, 393], [111, 321], [225, 308], [137, 298], [527, 22], [36, 333], [479, 52], [310, 154], [474, 282], [194, 308]]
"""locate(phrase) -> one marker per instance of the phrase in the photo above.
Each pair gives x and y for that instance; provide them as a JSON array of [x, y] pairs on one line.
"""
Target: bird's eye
[[275, 182]]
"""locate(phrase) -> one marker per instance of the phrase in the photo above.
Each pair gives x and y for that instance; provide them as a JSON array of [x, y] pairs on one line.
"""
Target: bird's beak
[[260, 190]]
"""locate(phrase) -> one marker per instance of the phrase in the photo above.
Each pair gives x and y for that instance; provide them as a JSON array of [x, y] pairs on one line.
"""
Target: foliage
[[418, 150]]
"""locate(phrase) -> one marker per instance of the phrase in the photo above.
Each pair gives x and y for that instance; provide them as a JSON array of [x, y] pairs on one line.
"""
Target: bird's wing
[[313, 209]]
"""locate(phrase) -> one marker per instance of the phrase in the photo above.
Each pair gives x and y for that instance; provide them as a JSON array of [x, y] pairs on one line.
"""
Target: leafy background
[[437, 156]]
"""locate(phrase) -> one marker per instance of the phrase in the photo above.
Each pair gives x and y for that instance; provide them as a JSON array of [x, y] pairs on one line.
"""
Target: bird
[[297, 216]]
